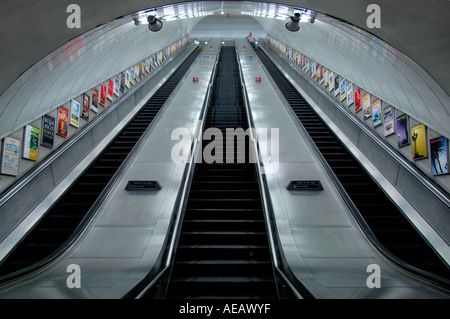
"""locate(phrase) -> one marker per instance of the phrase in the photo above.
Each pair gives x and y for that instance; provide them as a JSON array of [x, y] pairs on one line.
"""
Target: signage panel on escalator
[[143, 185], [303, 185]]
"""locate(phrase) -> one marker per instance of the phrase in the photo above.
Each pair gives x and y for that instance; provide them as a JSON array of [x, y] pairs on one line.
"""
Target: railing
[[298, 289], [163, 274]]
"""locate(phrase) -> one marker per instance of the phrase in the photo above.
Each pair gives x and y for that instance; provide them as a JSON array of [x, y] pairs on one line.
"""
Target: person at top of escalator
[[251, 40]]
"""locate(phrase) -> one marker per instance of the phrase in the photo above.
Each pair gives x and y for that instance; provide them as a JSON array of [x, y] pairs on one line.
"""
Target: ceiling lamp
[[293, 25], [154, 24]]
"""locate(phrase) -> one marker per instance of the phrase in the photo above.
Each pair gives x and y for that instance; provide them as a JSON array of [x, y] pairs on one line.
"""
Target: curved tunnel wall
[[372, 65], [79, 65]]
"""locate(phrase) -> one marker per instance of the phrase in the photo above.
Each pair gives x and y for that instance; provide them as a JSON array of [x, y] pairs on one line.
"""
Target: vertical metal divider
[[298, 289], [168, 255]]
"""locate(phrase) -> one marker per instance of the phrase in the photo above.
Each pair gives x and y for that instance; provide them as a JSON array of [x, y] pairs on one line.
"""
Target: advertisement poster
[[116, 86], [127, 79], [30, 142], [349, 94], [327, 79], [376, 112], [331, 87], [110, 90], [419, 142], [136, 73], [132, 76], [439, 155], [48, 131], [388, 121], [63, 121], [94, 105], [102, 94], [336, 85], [86, 106], [122, 82], [342, 90], [358, 100], [75, 113], [402, 130], [367, 109], [10, 156], [321, 75]]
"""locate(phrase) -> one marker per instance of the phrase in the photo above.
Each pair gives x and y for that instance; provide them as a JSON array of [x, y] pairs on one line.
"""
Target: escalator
[[61, 221], [385, 220], [223, 248]]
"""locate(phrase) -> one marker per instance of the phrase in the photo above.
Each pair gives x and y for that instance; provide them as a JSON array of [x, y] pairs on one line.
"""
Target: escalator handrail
[[46, 262], [182, 197], [305, 293], [430, 278]]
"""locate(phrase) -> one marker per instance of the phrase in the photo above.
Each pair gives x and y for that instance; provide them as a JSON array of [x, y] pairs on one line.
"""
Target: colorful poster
[[336, 85], [48, 131], [116, 85], [321, 75], [331, 87], [376, 112], [402, 130], [102, 94], [122, 82], [388, 121], [10, 156], [86, 106], [349, 94], [358, 100], [110, 90], [94, 105], [63, 121], [439, 155], [132, 76], [367, 109], [75, 113], [136, 73], [419, 142], [327, 79], [342, 90], [127, 79], [30, 142]]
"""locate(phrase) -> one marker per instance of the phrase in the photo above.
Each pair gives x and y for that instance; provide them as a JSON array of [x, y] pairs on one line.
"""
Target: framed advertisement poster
[[336, 85], [349, 94], [321, 78], [102, 94], [132, 76], [331, 87], [402, 130], [136, 72], [116, 86], [388, 121], [86, 106], [127, 79], [10, 156], [48, 131], [30, 142], [367, 108], [63, 121], [419, 142], [122, 82], [342, 90], [376, 112], [358, 100], [110, 90], [439, 155], [327, 79], [75, 113], [94, 102]]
